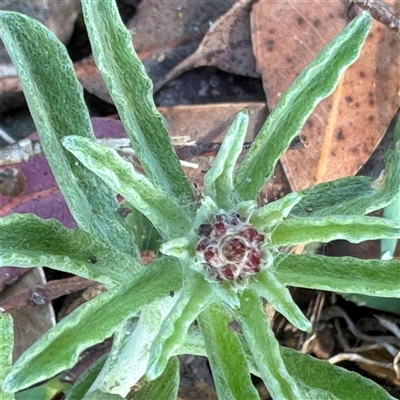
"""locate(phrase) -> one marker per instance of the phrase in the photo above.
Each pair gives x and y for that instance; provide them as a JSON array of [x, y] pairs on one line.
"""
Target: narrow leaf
[[321, 380], [218, 181], [165, 387], [46, 391], [225, 354], [340, 274], [315, 83], [132, 92], [352, 195], [342, 384], [6, 350], [355, 229], [130, 352], [161, 209], [265, 348], [91, 323], [268, 287], [29, 241], [194, 298], [193, 343], [392, 210], [55, 100], [272, 214], [83, 383]]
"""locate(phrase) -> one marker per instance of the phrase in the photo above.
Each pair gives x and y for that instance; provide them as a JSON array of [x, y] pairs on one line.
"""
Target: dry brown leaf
[[32, 322], [206, 125], [227, 46], [166, 32], [344, 129]]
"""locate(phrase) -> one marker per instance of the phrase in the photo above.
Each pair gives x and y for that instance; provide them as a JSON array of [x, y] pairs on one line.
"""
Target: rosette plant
[[219, 256]]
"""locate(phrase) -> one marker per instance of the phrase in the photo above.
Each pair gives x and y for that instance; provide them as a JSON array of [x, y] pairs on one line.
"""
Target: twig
[[357, 358], [6, 137]]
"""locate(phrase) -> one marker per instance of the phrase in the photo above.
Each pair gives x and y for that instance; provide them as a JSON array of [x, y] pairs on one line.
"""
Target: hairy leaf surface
[[29, 241], [317, 81], [132, 92], [91, 323], [340, 274], [55, 100]]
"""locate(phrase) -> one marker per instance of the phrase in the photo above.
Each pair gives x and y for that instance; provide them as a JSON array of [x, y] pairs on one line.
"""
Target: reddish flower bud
[[230, 248]]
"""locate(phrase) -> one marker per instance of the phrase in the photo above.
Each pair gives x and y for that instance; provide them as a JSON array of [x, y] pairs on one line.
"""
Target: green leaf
[[45, 391], [193, 343], [268, 287], [196, 295], [165, 387], [218, 181], [265, 348], [267, 218], [387, 304], [83, 383], [355, 229], [55, 100], [343, 384], [147, 237], [321, 380], [392, 210], [130, 352], [91, 323], [6, 350], [347, 196], [352, 195], [161, 209], [29, 241], [392, 213], [225, 354], [317, 81], [340, 274], [132, 92], [100, 395]]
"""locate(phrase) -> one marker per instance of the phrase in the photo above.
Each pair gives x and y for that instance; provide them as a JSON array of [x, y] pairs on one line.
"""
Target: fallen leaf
[[344, 129], [31, 322], [166, 32], [38, 192], [206, 125], [226, 45], [45, 293]]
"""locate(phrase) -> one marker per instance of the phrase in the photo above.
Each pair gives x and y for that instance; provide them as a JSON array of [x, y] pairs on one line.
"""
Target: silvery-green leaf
[[353, 195], [225, 354], [83, 383], [353, 228], [317, 81], [6, 350], [93, 322], [265, 348], [129, 356], [218, 181], [161, 209], [268, 217], [132, 92], [165, 387], [55, 100], [268, 287], [340, 274], [392, 210], [29, 241], [195, 296]]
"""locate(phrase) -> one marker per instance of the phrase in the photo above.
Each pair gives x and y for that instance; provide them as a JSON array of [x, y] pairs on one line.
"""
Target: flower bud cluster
[[230, 247]]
